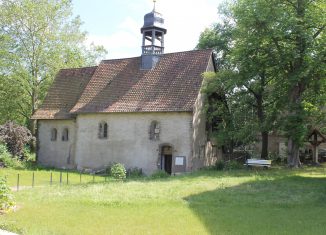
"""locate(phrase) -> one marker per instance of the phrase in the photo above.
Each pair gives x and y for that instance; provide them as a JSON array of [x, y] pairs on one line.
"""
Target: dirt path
[[3, 232]]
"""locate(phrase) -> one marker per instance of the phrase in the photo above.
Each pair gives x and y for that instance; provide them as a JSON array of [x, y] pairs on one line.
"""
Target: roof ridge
[[87, 67]]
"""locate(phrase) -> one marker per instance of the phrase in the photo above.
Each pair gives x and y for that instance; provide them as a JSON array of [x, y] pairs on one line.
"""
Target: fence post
[[51, 178], [60, 178], [33, 179], [93, 178], [67, 178], [80, 175], [17, 182]]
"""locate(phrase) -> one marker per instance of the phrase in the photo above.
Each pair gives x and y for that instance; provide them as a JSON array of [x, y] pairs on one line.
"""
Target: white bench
[[258, 162]]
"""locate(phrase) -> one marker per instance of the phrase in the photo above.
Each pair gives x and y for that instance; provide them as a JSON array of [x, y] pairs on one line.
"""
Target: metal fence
[[25, 180]]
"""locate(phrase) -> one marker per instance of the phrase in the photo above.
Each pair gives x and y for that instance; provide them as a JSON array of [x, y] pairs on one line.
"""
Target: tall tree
[[299, 38], [244, 72], [230, 119], [278, 57], [219, 116], [254, 60], [39, 37]]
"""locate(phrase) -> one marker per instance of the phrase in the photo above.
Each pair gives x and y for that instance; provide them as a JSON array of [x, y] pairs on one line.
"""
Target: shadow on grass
[[275, 173], [288, 205]]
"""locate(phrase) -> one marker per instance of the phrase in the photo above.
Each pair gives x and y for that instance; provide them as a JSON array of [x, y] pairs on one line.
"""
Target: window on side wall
[[103, 130], [65, 134], [154, 132], [54, 133]]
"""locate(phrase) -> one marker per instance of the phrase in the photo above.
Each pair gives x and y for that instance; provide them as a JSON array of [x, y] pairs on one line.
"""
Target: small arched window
[[154, 132], [65, 134], [103, 130], [54, 134]]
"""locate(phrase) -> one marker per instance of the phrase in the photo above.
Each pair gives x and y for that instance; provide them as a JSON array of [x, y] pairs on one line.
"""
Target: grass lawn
[[275, 201]]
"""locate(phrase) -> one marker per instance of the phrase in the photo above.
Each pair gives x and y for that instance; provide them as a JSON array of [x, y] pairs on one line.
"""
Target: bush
[[219, 165], [108, 168], [233, 165], [29, 159], [118, 171], [6, 160], [6, 198], [134, 172], [225, 165], [277, 159], [15, 137], [27, 155], [159, 174]]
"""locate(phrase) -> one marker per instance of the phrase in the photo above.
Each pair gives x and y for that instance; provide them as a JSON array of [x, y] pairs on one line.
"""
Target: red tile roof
[[122, 86], [65, 91]]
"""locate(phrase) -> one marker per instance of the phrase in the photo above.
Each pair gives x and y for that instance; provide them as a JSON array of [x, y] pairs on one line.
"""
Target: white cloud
[[185, 20], [123, 42], [130, 25]]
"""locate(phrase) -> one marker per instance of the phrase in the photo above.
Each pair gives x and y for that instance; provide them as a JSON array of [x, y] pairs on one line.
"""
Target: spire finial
[[154, 1]]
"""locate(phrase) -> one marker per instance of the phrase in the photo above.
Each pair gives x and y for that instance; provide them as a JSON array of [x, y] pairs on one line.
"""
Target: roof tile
[[120, 85], [64, 93]]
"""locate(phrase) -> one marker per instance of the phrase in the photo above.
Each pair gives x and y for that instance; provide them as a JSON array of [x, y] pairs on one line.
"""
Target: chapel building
[[144, 112]]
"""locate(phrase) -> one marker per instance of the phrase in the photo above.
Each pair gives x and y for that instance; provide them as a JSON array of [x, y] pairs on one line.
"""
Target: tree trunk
[[299, 86], [261, 119], [264, 145], [293, 154], [32, 128], [33, 123]]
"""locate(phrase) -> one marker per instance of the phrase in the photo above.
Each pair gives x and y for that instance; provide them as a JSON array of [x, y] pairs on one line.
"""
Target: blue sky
[[116, 24]]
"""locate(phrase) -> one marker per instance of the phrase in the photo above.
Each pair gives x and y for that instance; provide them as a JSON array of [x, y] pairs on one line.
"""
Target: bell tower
[[153, 39]]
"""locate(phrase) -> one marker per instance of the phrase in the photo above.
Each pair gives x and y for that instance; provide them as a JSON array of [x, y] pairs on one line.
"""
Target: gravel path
[[3, 232]]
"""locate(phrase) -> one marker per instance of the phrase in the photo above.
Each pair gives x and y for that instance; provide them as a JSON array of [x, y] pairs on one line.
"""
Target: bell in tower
[[153, 39]]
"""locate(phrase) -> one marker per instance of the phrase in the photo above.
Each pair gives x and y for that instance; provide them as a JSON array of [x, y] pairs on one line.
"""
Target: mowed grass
[[275, 201]]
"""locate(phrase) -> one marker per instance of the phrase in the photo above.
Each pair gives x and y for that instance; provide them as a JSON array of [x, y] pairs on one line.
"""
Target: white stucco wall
[[128, 139], [57, 153]]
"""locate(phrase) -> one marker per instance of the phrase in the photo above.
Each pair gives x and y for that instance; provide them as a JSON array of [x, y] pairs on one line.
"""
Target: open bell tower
[[153, 39]]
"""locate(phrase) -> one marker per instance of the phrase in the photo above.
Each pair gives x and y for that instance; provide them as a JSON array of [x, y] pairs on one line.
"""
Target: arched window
[[65, 134], [54, 134], [103, 130], [154, 132]]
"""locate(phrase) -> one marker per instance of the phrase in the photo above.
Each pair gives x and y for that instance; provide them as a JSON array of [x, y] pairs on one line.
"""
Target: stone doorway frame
[[163, 154]]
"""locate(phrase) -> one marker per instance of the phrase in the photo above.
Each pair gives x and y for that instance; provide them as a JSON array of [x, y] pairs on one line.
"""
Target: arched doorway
[[166, 158]]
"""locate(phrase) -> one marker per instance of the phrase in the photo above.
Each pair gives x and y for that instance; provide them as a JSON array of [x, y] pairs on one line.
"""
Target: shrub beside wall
[[118, 171]]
